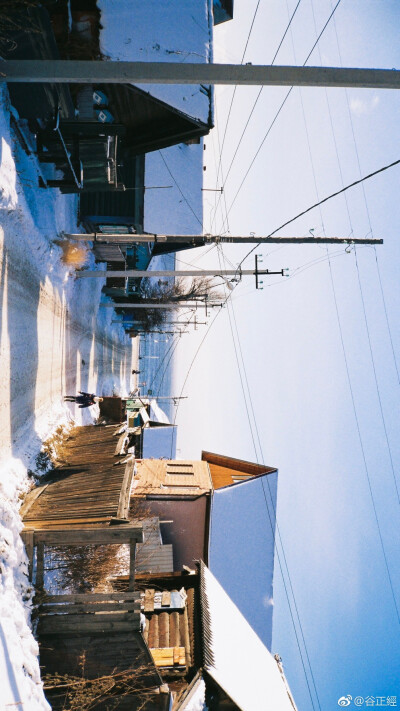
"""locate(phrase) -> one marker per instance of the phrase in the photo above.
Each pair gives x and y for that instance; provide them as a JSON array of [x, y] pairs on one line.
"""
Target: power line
[[179, 188], [255, 103], [368, 214], [376, 378], [362, 445], [234, 90], [359, 281], [282, 105], [321, 202]]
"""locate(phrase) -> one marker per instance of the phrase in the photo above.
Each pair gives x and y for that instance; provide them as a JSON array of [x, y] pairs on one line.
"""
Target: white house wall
[[242, 548]]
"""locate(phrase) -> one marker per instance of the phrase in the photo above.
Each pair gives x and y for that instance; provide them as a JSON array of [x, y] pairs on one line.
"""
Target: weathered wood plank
[[146, 631], [47, 627], [119, 448], [85, 536], [39, 564], [168, 656], [179, 656], [100, 597], [148, 600], [174, 637], [166, 599], [124, 500], [49, 523], [30, 499], [95, 618], [184, 633], [27, 537], [132, 559], [163, 629], [88, 607]]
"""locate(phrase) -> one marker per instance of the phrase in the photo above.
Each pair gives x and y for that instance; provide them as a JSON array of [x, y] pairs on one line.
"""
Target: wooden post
[[132, 561], [39, 584], [27, 537]]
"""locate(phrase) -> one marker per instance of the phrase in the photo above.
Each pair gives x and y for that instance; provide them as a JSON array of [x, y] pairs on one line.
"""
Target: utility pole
[[98, 72], [167, 305], [223, 273], [202, 240], [140, 274]]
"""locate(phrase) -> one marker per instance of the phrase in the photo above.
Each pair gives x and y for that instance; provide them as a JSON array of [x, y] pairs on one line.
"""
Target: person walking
[[83, 399]]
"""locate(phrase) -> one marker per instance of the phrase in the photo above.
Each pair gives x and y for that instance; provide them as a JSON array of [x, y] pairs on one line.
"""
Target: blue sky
[[333, 443]]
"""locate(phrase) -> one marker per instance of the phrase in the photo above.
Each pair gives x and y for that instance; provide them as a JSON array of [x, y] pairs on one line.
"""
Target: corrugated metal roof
[[235, 657], [151, 555]]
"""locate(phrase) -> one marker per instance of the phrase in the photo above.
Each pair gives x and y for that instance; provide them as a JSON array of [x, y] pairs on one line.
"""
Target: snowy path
[[51, 344], [54, 340]]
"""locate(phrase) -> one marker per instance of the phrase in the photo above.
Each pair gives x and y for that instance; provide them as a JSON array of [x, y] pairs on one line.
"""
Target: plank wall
[[86, 488]]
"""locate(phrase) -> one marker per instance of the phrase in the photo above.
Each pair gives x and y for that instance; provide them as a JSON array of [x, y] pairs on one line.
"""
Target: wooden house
[[205, 650], [206, 508], [160, 620]]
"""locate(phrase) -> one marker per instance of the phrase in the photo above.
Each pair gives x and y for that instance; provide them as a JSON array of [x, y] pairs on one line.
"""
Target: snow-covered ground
[[54, 340]]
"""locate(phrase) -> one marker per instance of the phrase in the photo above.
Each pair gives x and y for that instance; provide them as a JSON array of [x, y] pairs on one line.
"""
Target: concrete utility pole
[[223, 273], [88, 72], [191, 273], [167, 305], [201, 240]]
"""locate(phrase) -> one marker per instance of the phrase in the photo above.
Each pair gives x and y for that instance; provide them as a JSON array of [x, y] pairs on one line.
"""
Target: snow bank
[[54, 340]]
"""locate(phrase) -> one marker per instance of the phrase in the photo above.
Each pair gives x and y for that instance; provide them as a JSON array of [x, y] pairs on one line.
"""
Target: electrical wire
[[362, 446], [234, 90], [255, 102], [321, 202], [376, 378], [281, 107], [368, 214], [179, 188], [343, 345]]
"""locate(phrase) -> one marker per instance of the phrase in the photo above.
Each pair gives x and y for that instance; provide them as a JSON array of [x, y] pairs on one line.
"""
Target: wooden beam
[[47, 625], [30, 499], [132, 561], [39, 564], [148, 600], [123, 533], [27, 537], [95, 597], [166, 599]]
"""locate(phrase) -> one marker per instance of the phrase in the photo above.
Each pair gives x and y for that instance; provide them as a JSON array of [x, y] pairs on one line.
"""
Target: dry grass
[[91, 568], [51, 453], [78, 693]]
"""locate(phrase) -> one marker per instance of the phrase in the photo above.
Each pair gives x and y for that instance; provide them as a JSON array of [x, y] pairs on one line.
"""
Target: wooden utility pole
[[98, 72], [201, 240]]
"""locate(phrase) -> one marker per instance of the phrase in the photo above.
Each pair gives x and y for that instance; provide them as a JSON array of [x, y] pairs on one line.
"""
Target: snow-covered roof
[[231, 529], [159, 442], [157, 414], [154, 31], [234, 655]]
